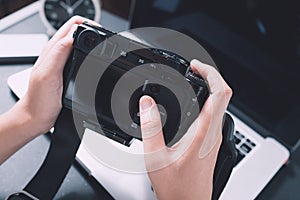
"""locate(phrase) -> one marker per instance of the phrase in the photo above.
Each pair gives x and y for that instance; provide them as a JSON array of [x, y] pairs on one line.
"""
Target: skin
[[189, 177], [30, 117]]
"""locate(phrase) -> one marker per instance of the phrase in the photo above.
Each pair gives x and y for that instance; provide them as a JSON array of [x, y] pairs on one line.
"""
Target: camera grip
[[226, 160]]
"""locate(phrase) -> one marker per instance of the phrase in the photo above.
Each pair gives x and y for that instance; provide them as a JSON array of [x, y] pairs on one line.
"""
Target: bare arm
[[36, 113], [16, 129]]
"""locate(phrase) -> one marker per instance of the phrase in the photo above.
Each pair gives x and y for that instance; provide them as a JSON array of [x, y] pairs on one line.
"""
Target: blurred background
[[120, 8]]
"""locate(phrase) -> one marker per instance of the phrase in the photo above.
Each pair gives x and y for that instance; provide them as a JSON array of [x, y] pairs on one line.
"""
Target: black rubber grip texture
[[226, 160]]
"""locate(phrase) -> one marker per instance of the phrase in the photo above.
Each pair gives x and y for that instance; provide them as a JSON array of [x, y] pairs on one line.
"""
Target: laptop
[[264, 133]]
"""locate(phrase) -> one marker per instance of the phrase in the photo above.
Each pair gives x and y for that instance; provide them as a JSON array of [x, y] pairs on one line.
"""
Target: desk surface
[[19, 169]]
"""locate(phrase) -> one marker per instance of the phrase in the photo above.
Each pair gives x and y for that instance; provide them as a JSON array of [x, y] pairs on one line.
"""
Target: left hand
[[37, 111], [42, 101]]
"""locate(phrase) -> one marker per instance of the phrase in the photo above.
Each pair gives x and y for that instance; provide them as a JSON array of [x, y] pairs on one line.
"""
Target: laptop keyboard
[[243, 145]]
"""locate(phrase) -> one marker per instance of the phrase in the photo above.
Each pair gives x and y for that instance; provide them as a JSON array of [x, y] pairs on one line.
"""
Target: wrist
[[16, 129], [25, 119]]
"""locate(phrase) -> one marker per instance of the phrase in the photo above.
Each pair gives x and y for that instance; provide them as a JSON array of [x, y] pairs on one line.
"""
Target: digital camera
[[104, 78], [107, 74]]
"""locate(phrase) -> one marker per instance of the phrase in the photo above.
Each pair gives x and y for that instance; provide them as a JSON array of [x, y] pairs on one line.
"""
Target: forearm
[[36, 113], [16, 129]]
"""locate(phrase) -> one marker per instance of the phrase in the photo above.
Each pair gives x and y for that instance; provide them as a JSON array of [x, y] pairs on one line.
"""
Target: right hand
[[191, 175]]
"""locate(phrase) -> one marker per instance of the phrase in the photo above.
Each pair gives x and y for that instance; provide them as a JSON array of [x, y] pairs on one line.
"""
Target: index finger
[[218, 87], [211, 116], [62, 32], [64, 29]]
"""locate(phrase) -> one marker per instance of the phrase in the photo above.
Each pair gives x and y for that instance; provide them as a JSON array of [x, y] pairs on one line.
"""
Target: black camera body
[[96, 48], [100, 63]]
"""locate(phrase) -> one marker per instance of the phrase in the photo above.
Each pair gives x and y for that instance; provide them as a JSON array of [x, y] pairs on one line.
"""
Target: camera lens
[[88, 39]]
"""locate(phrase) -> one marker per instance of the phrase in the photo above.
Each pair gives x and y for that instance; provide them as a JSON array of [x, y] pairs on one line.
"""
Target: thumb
[[151, 127]]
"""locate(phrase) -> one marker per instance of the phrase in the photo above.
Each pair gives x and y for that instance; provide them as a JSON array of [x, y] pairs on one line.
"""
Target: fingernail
[[196, 62], [145, 103]]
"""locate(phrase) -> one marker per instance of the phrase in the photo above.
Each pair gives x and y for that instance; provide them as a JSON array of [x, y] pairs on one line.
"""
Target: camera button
[[200, 90], [194, 100], [141, 61], [108, 50], [134, 125], [123, 53], [155, 89]]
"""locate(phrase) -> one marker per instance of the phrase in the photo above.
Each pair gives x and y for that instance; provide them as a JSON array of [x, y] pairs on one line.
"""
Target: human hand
[[37, 111], [189, 175], [42, 101]]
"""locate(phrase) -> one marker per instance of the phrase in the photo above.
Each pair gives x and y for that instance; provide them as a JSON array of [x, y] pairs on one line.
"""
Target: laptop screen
[[256, 46]]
